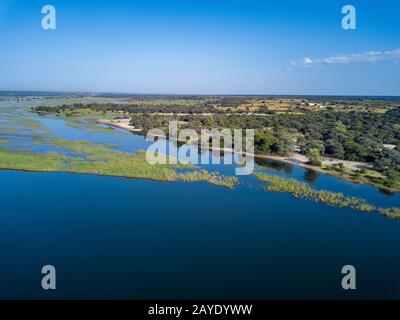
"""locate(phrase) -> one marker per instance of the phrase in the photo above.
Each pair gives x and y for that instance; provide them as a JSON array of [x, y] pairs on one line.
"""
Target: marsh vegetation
[[336, 199]]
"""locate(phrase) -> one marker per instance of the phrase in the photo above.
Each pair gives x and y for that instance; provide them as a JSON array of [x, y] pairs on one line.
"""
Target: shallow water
[[129, 238]]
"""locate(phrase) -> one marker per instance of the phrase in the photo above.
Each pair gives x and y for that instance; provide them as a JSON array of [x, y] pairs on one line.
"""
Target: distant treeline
[[200, 107]]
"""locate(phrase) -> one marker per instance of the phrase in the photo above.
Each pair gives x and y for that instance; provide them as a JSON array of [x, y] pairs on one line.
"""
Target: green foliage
[[97, 159], [354, 151], [213, 178], [308, 143], [337, 199], [285, 144], [302, 190], [393, 213], [264, 143], [314, 157], [339, 168]]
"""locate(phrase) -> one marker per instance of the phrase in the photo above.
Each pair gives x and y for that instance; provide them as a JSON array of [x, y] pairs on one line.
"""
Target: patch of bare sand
[[120, 123]]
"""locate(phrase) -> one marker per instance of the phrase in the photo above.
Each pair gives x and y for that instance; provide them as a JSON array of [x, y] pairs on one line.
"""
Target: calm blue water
[[125, 238], [121, 238]]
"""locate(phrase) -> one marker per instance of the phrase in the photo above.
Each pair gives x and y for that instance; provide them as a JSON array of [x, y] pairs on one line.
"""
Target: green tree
[[285, 144], [314, 157], [263, 142]]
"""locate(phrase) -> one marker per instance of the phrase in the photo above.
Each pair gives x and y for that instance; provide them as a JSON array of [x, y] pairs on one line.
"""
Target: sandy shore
[[120, 123], [296, 159], [300, 160]]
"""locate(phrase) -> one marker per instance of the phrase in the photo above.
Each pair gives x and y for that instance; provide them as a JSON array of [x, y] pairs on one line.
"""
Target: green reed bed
[[337, 199], [97, 159], [213, 178]]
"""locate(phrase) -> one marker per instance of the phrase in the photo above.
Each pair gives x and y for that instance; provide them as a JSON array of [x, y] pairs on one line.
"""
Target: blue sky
[[201, 47]]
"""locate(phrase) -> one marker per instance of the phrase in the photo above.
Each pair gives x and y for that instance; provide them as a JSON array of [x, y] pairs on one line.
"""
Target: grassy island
[[393, 213], [97, 159], [337, 199], [302, 190], [213, 178]]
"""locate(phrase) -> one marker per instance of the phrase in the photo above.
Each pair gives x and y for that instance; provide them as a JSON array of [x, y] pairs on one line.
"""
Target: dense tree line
[[128, 108], [355, 136]]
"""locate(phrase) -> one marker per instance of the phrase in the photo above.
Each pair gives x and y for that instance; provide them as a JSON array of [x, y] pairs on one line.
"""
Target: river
[[118, 238]]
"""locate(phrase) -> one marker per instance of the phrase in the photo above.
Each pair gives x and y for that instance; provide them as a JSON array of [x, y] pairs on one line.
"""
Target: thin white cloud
[[366, 57]]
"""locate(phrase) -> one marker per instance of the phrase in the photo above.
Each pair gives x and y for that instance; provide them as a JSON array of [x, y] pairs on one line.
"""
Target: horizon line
[[99, 93]]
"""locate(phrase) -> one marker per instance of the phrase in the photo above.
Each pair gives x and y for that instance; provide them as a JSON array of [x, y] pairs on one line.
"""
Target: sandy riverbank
[[296, 159], [300, 160], [120, 123]]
